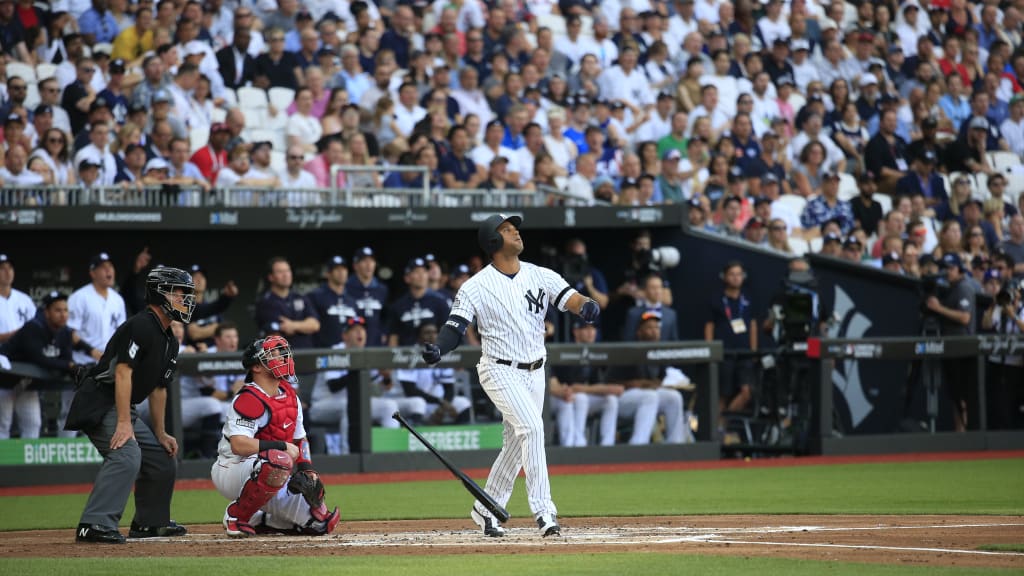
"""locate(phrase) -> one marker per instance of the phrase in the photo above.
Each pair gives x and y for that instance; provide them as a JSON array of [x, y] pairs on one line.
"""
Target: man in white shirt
[[908, 30], [581, 184], [471, 98], [15, 172], [709, 107], [707, 11], [572, 43], [659, 124], [298, 181], [94, 312], [1013, 126], [491, 147], [407, 111], [683, 22], [625, 81], [16, 307], [773, 25], [97, 149], [812, 132]]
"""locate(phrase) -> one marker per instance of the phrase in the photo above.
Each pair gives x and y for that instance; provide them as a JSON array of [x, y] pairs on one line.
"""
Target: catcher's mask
[[273, 353]]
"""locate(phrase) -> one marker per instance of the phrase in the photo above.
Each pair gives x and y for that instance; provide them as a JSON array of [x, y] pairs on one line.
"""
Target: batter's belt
[[529, 366]]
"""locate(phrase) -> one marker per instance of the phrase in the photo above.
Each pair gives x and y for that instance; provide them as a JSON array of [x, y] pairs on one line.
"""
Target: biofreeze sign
[[48, 451], [445, 438]]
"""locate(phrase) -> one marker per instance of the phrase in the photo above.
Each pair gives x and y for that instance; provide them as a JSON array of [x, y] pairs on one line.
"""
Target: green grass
[[519, 564], [1002, 547], [975, 487]]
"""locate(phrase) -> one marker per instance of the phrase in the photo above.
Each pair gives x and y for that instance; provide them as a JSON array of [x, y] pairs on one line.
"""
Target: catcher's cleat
[[548, 525], [236, 528], [491, 527]]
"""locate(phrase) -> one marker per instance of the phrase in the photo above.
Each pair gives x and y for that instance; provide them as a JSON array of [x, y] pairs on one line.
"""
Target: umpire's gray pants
[[142, 462]]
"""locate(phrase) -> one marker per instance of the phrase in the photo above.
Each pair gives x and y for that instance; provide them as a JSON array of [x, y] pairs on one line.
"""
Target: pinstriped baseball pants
[[519, 396]]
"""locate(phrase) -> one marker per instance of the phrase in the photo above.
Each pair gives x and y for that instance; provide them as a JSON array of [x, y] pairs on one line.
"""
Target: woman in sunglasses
[[54, 150]]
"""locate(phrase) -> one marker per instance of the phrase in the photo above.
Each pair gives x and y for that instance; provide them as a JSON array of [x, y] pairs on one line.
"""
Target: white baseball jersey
[[95, 318], [15, 310], [510, 311]]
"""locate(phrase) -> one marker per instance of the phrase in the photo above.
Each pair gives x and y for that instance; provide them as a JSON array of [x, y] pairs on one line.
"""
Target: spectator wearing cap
[[113, 92], [831, 245], [893, 262], [969, 152], [210, 159], [369, 293], [132, 166], [773, 25], [669, 184], [982, 109], [281, 310], [997, 197], [333, 305], [625, 81], [134, 41], [828, 206], [45, 341], [922, 178], [419, 305], [756, 231], [1013, 245], [729, 87], [867, 212], [498, 177], [1013, 127], [853, 249], [14, 132]]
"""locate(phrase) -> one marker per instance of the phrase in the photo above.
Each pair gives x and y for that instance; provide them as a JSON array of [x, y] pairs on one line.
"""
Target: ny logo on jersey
[[535, 303]]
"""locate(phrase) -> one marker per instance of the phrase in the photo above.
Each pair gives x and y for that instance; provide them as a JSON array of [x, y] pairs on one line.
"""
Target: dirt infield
[[903, 540]]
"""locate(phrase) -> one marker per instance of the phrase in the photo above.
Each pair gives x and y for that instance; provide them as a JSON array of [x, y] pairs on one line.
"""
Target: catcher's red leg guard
[[271, 474]]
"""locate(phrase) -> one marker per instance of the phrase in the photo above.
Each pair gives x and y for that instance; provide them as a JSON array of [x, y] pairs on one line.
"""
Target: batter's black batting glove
[[590, 311], [431, 353]]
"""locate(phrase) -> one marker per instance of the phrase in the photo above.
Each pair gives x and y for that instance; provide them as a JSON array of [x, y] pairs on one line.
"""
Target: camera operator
[[795, 314], [643, 260], [954, 308], [582, 275], [1005, 371]]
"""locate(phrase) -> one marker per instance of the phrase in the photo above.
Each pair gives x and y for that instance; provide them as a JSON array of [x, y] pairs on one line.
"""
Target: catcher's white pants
[[519, 396], [283, 511], [572, 417]]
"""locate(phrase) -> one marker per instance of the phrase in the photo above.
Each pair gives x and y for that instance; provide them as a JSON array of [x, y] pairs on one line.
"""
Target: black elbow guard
[[451, 334]]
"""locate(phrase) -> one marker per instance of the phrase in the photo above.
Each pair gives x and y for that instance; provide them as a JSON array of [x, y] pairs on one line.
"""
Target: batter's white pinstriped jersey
[[510, 311]]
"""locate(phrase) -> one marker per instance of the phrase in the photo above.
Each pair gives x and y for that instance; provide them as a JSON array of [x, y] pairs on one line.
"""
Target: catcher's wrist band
[[273, 445]]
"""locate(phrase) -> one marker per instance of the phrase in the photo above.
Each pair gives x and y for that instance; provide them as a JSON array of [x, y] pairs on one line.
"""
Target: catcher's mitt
[[307, 483]]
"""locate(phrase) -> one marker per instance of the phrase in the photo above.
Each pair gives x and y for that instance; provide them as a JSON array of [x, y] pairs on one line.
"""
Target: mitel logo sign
[[929, 348], [335, 361], [224, 218]]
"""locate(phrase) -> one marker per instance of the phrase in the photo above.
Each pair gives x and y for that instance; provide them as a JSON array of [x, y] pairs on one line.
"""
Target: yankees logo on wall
[[535, 303]]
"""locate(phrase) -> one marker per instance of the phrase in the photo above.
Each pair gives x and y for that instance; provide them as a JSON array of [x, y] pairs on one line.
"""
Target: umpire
[[139, 362]]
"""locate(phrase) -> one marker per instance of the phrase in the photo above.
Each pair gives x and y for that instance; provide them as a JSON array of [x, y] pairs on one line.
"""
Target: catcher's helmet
[[273, 353], [161, 283], [488, 236]]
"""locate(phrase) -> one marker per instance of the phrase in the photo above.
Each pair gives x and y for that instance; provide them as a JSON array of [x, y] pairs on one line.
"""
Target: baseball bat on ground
[[483, 497]]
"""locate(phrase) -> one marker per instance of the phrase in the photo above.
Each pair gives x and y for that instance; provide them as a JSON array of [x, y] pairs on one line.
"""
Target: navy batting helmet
[[487, 235]]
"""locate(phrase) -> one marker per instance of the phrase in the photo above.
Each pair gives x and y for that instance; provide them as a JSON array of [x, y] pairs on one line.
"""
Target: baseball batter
[[508, 300], [264, 440]]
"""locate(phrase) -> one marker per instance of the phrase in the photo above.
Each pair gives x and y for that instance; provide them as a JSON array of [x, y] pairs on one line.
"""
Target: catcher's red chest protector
[[283, 410]]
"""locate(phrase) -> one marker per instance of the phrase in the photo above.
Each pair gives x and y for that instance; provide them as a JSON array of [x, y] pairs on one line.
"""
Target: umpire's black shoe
[[97, 534], [172, 529]]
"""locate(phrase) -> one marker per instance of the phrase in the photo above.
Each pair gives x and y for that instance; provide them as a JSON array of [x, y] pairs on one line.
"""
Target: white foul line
[[854, 546]]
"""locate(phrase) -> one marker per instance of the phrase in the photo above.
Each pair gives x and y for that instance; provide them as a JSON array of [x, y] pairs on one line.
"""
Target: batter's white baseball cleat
[[548, 525], [492, 528]]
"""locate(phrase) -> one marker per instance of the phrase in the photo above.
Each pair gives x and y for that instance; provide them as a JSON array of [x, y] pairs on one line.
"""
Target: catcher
[[263, 460]]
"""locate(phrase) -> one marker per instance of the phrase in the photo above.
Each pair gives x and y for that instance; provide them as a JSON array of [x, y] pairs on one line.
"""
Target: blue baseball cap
[[335, 261], [364, 252], [414, 264], [950, 260]]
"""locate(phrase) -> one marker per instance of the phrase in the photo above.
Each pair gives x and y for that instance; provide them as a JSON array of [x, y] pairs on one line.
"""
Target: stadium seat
[[21, 70], [847, 187], [885, 200], [792, 203], [254, 116], [815, 244], [45, 70], [197, 139], [981, 186], [275, 137], [799, 246], [219, 114], [556, 22], [1004, 161], [32, 96], [278, 163], [281, 98], [1014, 187], [230, 98], [249, 97]]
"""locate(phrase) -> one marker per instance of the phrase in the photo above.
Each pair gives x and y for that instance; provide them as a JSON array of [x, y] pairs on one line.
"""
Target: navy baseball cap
[[992, 274], [335, 261], [695, 203], [758, 201], [414, 264], [98, 259], [460, 270], [197, 269], [852, 242], [952, 260], [364, 252], [52, 297], [832, 237], [5, 258], [890, 258], [428, 258]]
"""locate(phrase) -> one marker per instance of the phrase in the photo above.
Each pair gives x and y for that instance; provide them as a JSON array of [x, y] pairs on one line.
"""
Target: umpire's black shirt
[[150, 350]]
